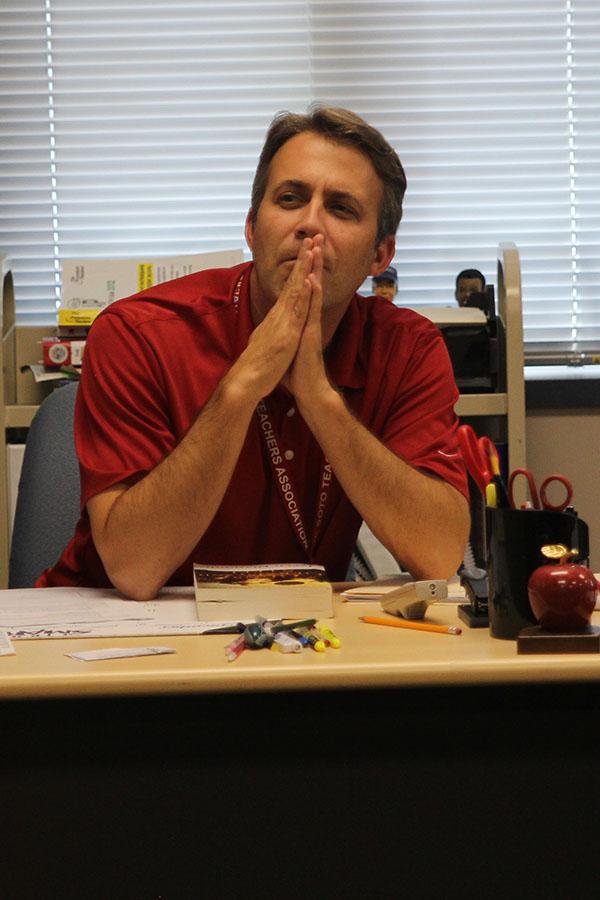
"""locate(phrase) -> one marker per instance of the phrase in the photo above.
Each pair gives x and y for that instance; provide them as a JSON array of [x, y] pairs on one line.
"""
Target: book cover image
[[275, 574]]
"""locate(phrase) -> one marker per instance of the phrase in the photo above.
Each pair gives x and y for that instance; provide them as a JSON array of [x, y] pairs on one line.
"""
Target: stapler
[[412, 599], [475, 612]]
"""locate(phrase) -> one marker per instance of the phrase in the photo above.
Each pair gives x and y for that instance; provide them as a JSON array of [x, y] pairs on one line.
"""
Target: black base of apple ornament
[[535, 639]]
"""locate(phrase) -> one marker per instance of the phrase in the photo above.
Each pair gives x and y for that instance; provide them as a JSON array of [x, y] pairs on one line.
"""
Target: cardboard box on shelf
[[88, 285], [79, 318]]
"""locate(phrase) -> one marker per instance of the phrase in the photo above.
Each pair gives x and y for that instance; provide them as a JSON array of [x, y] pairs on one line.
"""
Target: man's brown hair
[[345, 127]]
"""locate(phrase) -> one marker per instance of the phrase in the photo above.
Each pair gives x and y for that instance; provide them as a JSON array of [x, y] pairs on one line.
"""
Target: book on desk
[[280, 591]]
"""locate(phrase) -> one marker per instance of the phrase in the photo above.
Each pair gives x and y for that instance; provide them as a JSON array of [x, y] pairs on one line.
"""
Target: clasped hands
[[287, 346]]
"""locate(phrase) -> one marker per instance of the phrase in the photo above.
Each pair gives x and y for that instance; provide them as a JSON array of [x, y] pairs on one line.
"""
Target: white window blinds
[[136, 130]]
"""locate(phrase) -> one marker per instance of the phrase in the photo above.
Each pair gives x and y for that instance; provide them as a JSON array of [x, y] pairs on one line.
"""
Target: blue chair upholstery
[[48, 497]]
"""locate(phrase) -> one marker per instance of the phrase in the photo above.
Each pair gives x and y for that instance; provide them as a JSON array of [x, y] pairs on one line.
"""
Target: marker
[[501, 492], [315, 642], [235, 648], [298, 636], [491, 498], [328, 634], [290, 626], [238, 628], [417, 626]]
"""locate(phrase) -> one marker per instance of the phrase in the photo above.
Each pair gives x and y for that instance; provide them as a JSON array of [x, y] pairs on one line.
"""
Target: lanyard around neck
[[282, 476], [285, 485]]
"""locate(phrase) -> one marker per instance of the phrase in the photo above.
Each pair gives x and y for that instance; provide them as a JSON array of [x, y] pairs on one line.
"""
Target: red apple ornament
[[563, 596]]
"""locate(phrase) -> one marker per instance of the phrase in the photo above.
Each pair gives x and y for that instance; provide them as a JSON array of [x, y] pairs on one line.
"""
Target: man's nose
[[310, 221]]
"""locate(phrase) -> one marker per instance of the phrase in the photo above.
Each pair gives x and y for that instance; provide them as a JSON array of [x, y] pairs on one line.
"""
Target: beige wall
[[568, 441]]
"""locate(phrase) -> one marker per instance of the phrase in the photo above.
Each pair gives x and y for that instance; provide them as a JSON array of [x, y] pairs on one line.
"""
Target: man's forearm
[[423, 521], [153, 526]]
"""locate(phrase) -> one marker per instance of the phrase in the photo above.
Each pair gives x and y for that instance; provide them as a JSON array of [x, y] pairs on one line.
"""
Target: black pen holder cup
[[514, 541]]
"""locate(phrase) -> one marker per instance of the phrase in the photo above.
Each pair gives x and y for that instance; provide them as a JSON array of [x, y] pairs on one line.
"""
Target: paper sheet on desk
[[53, 606], [94, 612], [365, 592]]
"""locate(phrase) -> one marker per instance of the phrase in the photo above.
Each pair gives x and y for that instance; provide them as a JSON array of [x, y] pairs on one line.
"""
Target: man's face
[[318, 186], [466, 287], [385, 288]]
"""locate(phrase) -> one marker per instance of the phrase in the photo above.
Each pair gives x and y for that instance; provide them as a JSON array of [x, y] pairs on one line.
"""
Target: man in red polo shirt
[[259, 413]]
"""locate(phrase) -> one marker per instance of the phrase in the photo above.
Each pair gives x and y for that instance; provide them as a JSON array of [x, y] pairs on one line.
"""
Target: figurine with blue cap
[[386, 284]]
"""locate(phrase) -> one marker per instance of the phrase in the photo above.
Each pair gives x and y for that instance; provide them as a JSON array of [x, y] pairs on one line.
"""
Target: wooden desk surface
[[370, 656]]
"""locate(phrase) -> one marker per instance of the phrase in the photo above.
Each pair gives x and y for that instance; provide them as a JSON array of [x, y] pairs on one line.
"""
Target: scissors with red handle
[[480, 456], [540, 500]]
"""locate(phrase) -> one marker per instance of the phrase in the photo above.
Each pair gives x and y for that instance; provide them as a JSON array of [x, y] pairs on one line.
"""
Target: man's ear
[[249, 228], [384, 254]]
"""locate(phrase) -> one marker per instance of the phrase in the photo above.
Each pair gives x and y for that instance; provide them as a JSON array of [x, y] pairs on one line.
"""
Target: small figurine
[[386, 284], [469, 281]]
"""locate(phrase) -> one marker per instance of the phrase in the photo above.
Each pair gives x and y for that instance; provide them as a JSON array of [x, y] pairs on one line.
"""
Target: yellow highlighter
[[313, 639], [328, 634], [491, 497]]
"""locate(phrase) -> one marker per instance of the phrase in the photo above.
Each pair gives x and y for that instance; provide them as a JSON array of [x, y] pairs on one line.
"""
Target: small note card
[[120, 652]]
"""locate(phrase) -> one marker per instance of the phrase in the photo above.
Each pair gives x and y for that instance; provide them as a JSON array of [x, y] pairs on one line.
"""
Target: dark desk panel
[[432, 792]]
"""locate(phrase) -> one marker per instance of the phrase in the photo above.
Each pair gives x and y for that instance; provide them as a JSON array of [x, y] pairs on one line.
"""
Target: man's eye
[[288, 199], [340, 209]]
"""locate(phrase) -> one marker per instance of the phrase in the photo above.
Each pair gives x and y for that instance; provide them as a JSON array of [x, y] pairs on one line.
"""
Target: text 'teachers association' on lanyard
[[285, 485], [281, 475]]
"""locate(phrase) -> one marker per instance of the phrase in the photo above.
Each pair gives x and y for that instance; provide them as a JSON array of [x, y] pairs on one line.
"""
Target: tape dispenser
[[411, 600]]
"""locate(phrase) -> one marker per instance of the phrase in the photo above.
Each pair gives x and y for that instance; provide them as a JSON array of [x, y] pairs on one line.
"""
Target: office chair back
[[47, 507]]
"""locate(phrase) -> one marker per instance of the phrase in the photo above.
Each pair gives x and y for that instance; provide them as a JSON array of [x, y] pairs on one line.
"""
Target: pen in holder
[[514, 541]]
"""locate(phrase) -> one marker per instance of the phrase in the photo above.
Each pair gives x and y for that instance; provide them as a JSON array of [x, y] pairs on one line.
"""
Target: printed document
[[95, 612]]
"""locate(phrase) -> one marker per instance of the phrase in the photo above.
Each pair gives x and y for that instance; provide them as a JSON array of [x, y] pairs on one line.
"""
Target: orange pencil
[[418, 626]]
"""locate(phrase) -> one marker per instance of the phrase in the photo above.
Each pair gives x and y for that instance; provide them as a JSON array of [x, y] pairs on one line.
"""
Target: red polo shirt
[[153, 361]]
